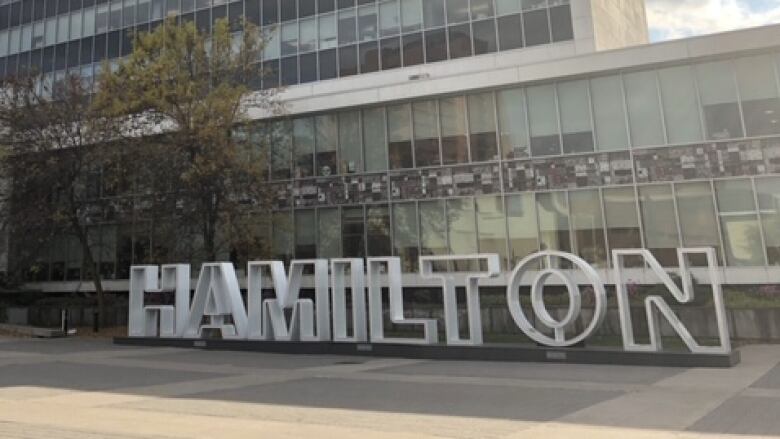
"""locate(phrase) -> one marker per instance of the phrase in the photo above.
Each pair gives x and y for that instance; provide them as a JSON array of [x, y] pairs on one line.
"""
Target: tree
[[185, 95], [49, 137]]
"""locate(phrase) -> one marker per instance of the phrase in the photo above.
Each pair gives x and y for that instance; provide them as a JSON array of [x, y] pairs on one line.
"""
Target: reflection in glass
[[660, 225], [680, 104], [378, 230], [543, 118], [739, 223], [453, 130], [349, 135], [553, 212], [588, 225], [329, 236], [327, 143], [576, 123], [608, 113], [644, 109], [374, 139], [303, 144], [305, 236], [698, 220], [512, 123], [758, 91], [399, 136], [405, 235], [769, 205], [426, 133], [353, 232], [719, 100], [491, 223], [482, 126]]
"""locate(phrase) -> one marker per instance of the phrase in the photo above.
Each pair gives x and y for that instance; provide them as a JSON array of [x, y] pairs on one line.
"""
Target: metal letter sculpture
[[575, 299], [218, 297], [655, 304], [473, 311]]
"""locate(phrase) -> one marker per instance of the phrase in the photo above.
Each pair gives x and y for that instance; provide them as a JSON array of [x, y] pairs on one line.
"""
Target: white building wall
[[619, 23]]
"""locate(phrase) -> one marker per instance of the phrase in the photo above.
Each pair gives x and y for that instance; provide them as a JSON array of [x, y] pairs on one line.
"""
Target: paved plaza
[[77, 388]]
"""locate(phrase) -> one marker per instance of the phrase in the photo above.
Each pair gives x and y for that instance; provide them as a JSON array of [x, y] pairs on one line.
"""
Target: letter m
[[655, 306]]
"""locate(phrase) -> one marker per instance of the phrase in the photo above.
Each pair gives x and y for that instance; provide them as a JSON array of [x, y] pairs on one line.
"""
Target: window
[[462, 230], [621, 218], [507, 6], [758, 91], [680, 104], [347, 27], [453, 130], [491, 225], [411, 15], [328, 66], [482, 125], [307, 8], [368, 57], [391, 53], [75, 25], [270, 12], [128, 14], [349, 135], [510, 32], [348, 62], [435, 45], [329, 236], [374, 139], [460, 40], [378, 230], [308, 35], [481, 9], [327, 144], [739, 223], [289, 10], [719, 100], [51, 33], [308, 67], [560, 19], [389, 18], [399, 136], [588, 225], [367, 24], [536, 27], [353, 232], [303, 144], [553, 212], [62, 28], [521, 225], [543, 118], [576, 123], [282, 236], [272, 48], [609, 113], [328, 36], [769, 206], [644, 109], [426, 133], [433, 13], [484, 34], [305, 234], [289, 38], [405, 235], [433, 231], [89, 22], [413, 49], [698, 220], [115, 19], [281, 149], [512, 121], [457, 11], [660, 223]]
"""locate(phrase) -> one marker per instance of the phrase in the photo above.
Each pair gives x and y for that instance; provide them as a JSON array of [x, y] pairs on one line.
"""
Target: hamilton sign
[[348, 306]]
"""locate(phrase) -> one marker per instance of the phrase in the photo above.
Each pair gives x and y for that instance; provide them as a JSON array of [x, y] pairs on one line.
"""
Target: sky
[[669, 19]]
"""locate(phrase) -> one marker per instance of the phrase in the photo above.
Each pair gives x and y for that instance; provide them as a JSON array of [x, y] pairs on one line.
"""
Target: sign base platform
[[487, 352]]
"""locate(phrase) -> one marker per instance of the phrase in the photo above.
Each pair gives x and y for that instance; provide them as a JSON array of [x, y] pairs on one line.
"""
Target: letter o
[[537, 302]]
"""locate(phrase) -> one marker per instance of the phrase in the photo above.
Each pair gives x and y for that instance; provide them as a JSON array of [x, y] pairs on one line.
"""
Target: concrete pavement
[[76, 388]]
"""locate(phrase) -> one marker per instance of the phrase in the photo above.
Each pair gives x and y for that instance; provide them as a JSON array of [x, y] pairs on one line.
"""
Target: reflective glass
[[659, 221], [644, 109], [576, 123], [588, 225], [739, 223], [405, 235], [512, 122], [329, 233], [482, 126], [543, 118], [453, 130], [680, 104], [719, 100], [374, 139], [350, 146], [426, 133]]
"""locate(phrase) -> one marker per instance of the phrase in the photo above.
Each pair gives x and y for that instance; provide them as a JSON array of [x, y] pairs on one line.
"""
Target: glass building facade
[[307, 40], [681, 155]]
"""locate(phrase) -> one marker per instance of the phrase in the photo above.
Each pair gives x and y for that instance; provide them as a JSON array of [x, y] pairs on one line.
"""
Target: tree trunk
[[93, 271]]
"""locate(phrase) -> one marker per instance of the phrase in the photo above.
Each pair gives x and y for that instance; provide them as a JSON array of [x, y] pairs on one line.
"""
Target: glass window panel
[[433, 13], [378, 230], [588, 225], [348, 61], [510, 32], [680, 104], [290, 38], [758, 91], [453, 130], [399, 136], [530, 5], [353, 240], [327, 144], [484, 34], [115, 20], [282, 236], [368, 54], [482, 125], [328, 38], [739, 223], [367, 23], [391, 53], [553, 211], [735, 196], [289, 70], [349, 135], [507, 6], [561, 22], [308, 40], [660, 225], [513, 123], [411, 15], [51, 32], [308, 67], [289, 10], [405, 235], [698, 220], [426, 133], [328, 64], [89, 22], [644, 109], [413, 49], [4, 44], [457, 11], [128, 14], [329, 236], [347, 27], [26, 38], [142, 11], [281, 149], [543, 118], [272, 48], [436, 45], [769, 204], [609, 113], [459, 41], [521, 224], [433, 228], [75, 25], [303, 143], [481, 9], [270, 11], [374, 139], [719, 100], [62, 28], [305, 234], [389, 18], [621, 218], [536, 27], [576, 123], [462, 230], [491, 224]]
